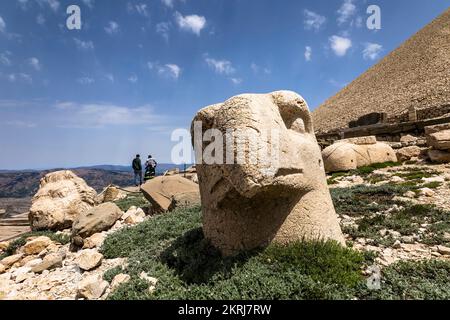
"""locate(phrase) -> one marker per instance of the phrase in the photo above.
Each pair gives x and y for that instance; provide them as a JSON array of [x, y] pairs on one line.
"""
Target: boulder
[[2, 268], [94, 241], [251, 198], [61, 198], [4, 245], [134, 216], [439, 156], [92, 287], [96, 219], [89, 259], [152, 282], [51, 261], [405, 154], [111, 194], [163, 192], [350, 154], [35, 246], [408, 139], [439, 140], [9, 261], [118, 280]]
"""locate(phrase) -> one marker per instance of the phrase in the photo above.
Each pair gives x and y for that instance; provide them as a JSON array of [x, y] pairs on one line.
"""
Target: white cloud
[[101, 115], [308, 53], [4, 58], [84, 45], [133, 78], [346, 11], [20, 77], [2, 25], [53, 4], [168, 3], [170, 70], [236, 81], [220, 66], [340, 45], [372, 51], [85, 80], [112, 28], [89, 3], [313, 21], [192, 23], [163, 28], [35, 63], [40, 19]]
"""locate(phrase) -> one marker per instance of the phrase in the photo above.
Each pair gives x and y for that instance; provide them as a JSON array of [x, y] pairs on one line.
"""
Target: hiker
[[137, 168], [150, 168]]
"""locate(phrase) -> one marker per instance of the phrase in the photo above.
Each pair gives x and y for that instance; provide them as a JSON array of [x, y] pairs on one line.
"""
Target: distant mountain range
[[25, 183]]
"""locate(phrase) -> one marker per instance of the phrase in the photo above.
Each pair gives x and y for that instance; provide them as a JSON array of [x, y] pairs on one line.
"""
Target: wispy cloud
[[236, 81], [97, 115], [312, 20], [83, 45], [346, 11], [85, 80], [139, 8], [192, 23], [20, 124], [340, 45], [257, 69], [372, 51], [89, 3], [53, 4], [220, 66], [5, 58], [308, 53], [133, 78], [2, 25], [40, 19], [168, 3], [112, 28], [170, 70], [19, 77], [163, 28], [110, 77], [35, 63]]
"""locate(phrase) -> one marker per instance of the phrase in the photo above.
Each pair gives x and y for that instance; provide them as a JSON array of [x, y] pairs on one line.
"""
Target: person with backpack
[[137, 168], [150, 168]]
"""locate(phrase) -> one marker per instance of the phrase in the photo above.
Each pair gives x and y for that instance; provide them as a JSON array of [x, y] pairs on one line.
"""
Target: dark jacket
[[137, 165]]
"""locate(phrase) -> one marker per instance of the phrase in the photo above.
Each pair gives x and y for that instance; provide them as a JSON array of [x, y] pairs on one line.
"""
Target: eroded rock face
[[167, 193], [96, 220], [283, 199], [61, 198], [349, 154]]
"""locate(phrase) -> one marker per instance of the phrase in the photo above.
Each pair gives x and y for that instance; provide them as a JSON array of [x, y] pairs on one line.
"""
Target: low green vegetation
[[362, 171], [19, 242], [413, 280], [172, 249], [137, 200]]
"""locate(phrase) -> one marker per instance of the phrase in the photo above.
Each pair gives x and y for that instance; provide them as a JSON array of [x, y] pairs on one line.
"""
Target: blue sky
[[139, 69]]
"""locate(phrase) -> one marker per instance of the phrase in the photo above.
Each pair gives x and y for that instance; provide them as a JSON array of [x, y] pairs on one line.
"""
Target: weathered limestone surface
[[247, 205]]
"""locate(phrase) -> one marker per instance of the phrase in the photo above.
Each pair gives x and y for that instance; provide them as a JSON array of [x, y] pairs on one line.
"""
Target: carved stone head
[[261, 173]]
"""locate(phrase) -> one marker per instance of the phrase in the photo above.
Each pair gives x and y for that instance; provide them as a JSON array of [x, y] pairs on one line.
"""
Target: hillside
[[415, 74], [19, 184]]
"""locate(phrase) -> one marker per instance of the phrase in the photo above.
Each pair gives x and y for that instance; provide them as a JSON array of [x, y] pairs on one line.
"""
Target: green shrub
[[409, 280], [172, 248]]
